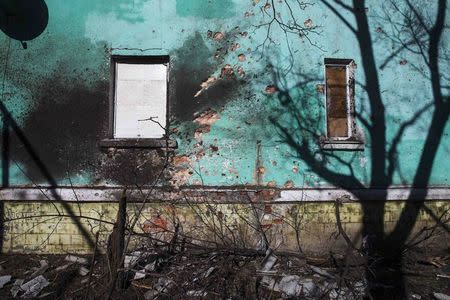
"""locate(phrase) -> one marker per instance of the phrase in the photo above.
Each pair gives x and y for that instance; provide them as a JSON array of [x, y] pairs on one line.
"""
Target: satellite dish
[[23, 20]]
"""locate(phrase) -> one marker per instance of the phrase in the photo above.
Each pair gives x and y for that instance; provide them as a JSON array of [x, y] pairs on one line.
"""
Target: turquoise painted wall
[[57, 92]]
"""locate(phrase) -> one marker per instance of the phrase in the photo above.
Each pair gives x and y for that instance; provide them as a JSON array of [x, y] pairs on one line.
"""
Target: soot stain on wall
[[63, 128], [132, 167], [70, 117], [193, 63]]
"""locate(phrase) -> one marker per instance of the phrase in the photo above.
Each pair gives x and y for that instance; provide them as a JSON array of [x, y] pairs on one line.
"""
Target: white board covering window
[[140, 95]]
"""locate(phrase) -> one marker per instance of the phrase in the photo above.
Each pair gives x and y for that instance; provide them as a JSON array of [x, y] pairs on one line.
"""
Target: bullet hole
[[308, 23], [207, 117], [320, 88], [289, 184], [270, 89], [241, 71], [227, 71], [218, 36], [234, 47]]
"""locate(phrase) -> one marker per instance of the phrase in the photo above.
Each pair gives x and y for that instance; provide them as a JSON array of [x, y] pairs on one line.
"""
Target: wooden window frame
[[351, 141]]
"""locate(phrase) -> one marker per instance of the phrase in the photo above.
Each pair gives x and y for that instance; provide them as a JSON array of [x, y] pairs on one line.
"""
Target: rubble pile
[[152, 273]]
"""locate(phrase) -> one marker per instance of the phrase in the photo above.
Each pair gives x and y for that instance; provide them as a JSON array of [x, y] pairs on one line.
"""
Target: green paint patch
[[207, 9]]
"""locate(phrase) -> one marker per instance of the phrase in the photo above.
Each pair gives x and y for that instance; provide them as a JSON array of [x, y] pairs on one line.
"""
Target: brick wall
[[44, 227]]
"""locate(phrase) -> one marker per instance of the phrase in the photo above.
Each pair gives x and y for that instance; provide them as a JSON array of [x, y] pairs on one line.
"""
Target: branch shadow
[[24, 20], [385, 251], [9, 120]]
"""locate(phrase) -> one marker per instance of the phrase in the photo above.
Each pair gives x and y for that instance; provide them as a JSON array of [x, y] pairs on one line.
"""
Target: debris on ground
[[4, 280], [83, 271], [76, 259], [160, 272], [41, 270], [16, 287], [440, 296], [33, 287]]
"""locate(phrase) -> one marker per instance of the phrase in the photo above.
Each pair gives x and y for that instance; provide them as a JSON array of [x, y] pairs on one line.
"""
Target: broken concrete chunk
[[41, 270], [131, 260], [196, 293], [150, 295], [269, 282], [16, 287], [208, 272], [148, 268], [4, 280], [440, 296], [63, 267], [321, 271], [309, 288], [83, 271], [162, 286], [292, 286], [269, 261], [45, 295], [139, 275], [33, 287], [339, 294], [76, 259]]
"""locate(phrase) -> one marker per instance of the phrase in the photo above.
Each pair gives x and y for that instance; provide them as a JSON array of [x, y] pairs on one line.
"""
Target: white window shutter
[[141, 93]]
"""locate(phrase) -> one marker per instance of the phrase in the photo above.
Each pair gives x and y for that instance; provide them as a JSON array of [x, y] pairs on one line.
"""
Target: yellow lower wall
[[42, 227]]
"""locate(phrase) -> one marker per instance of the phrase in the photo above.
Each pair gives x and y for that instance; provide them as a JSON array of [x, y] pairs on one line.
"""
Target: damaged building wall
[[232, 90], [222, 94]]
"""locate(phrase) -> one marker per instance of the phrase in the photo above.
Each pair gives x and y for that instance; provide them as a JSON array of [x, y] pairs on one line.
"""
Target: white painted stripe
[[393, 193], [226, 194]]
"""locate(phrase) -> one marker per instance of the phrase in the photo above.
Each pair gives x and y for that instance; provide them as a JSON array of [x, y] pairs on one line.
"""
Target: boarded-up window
[[140, 95], [338, 93]]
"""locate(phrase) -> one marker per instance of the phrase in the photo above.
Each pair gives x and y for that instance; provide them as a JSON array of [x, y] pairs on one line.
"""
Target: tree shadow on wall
[[417, 35], [24, 20]]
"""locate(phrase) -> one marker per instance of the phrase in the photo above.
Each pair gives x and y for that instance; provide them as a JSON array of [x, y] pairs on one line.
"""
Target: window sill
[[349, 145], [123, 143]]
